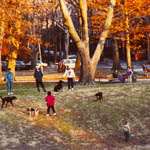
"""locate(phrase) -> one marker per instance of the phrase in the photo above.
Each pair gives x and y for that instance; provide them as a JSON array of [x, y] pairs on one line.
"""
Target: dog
[[99, 96], [7, 100], [59, 86], [33, 112]]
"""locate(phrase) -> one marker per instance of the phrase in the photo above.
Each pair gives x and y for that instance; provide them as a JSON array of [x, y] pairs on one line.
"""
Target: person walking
[[9, 78], [50, 99], [127, 132], [38, 75], [70, 77]]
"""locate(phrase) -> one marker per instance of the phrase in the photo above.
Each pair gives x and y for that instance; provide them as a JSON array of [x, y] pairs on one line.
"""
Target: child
[[50, 103], [70, 76], [126, 129]]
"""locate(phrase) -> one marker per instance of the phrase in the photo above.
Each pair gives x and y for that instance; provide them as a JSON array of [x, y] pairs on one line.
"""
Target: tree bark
[[88, 64], [116, 59], [128, 51], [12, 61], [148, 46], [1, 38]]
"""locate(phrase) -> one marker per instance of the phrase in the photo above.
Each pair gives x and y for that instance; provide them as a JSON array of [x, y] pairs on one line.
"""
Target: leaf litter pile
[[81, 122]]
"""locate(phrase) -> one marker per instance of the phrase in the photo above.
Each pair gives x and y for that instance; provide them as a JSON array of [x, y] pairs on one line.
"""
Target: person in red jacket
[[50, 99]]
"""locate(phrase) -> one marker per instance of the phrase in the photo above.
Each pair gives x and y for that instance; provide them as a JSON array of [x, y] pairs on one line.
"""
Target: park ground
[[81, 122]]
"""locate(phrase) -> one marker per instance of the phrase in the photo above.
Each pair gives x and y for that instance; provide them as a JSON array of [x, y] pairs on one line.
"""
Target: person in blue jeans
[[9, 78]]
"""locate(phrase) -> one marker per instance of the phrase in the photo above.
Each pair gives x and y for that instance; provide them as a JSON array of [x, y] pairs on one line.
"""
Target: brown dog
[[33, 112], [99, 96]]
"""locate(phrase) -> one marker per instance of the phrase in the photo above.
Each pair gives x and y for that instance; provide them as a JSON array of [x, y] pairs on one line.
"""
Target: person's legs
[[37, 85], [53, 109], [69, 82], [8, 87], [48, 110], [130, 78], [127, 136], [42, 85], [11, 85]]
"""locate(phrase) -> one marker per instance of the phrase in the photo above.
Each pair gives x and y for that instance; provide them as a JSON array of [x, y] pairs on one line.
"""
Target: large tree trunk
[[87, 72], [148, 47], [12, 61], [1, 38], [78, 61], [1, 81], [116, 59], [128, 51], [88, 64]]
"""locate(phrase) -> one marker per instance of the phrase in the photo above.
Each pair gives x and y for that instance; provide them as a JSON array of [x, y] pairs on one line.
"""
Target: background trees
[[89, 65]]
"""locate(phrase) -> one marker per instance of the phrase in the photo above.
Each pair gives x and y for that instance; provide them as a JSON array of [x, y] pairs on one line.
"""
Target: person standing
[[38, 75], [9, 78], [70, 77], [127, 132], [50, 99], [129, 74]]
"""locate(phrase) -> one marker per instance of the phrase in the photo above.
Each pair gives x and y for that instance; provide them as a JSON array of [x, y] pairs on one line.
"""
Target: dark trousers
[[127, 136], [38, 83], [70, 83], [50, 107]]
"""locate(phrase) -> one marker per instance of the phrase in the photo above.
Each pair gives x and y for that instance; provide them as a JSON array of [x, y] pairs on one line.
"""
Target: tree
[[88, 65], [14, 28]]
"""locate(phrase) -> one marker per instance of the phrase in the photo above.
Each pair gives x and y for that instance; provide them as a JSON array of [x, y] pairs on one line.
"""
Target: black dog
[[59, 86], [7, 100], [99, 96]]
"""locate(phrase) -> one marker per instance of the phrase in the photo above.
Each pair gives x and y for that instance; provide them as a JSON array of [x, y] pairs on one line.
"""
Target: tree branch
[[69, 22], [83, 7], [105, 31]]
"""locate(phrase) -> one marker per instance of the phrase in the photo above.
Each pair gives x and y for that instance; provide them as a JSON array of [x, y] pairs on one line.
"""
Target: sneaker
[[47, 114], [69, 90], [54, 114], [72, 89], [8, 93], [11, 92]]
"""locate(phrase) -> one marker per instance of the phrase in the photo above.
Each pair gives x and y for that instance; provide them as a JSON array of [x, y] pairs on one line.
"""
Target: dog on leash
[[99, 96], [33, 112], [7, 100], [59, 86]]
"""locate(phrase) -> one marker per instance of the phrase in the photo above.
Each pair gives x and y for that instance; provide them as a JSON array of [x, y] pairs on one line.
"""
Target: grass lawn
[[81, 123]]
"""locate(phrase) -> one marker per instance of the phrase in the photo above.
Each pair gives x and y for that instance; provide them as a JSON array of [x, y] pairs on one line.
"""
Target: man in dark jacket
[[38, 75]]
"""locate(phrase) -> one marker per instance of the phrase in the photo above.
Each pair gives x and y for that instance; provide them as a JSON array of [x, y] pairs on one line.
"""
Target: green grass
[[78, 110]]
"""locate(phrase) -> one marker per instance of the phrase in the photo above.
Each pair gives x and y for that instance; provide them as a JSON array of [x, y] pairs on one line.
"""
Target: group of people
[[50, 99], [38, 75], [128, 75]]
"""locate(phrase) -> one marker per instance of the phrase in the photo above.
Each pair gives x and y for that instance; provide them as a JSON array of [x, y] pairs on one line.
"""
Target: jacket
[[69, 73], [38, 75], [9, 76], [50, 100]]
